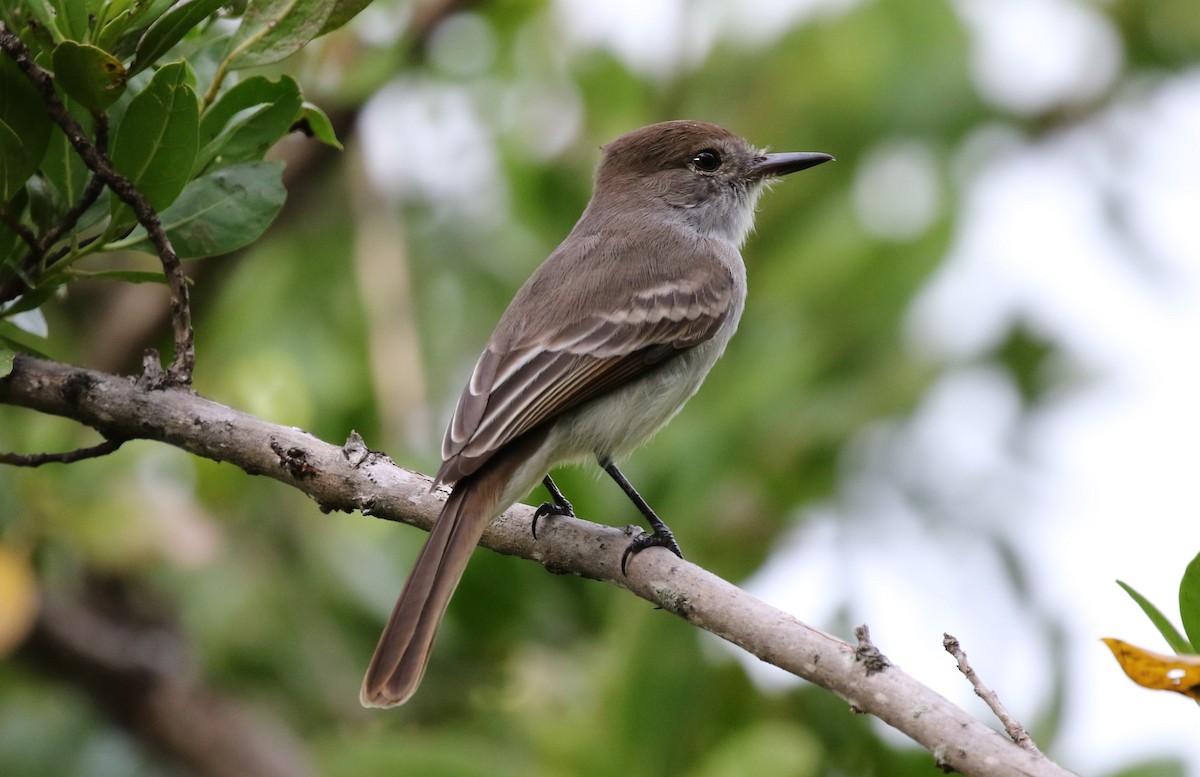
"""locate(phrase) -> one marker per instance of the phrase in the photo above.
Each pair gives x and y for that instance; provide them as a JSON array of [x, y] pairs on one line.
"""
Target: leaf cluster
[[162, 79]]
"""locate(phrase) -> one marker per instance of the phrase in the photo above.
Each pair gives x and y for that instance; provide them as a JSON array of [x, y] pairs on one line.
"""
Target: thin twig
[[180, 370], [91, 192], [1012, 726], [66, 457]]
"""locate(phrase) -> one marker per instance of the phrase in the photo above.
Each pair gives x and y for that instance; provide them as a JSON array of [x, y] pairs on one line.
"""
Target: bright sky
[[1087, 239]]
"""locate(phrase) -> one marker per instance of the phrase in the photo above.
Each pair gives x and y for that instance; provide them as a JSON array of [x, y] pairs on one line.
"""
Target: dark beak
[[774, 165]]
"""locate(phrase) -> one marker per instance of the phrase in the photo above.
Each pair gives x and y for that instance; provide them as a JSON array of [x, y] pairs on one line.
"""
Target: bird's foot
[[660, 538], [558, 504], [563, 508]]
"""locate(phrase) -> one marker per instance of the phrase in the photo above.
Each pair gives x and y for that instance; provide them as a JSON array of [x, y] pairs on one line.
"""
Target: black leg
[[559, 505], [660, 537]]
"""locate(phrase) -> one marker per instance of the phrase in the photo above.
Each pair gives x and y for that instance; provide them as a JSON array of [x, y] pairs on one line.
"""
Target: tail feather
[[403, 650]]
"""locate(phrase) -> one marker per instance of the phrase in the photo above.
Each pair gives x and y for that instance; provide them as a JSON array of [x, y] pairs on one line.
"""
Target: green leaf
[[171, 28], [1176, 640], [25, 129], [45, 205], [247, 120], [133, 87], [121, 33], [12, 247], [109, 10], [19, 340], [90, 75], [72, 19], [274, 29], [314, 123], [33, 300], [34, 21], [245, 94], [107, 36], [61, 165], [155, 145], [343, 11], [1189, 600], [13, 174], [219, 213], [6, 361], [118, 17]]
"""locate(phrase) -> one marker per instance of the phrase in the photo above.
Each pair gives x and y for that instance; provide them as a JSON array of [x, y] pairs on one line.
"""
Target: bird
[[601, 347]]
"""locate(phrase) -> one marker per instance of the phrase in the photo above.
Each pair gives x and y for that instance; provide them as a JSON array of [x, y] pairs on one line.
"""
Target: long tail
[[403, 651]]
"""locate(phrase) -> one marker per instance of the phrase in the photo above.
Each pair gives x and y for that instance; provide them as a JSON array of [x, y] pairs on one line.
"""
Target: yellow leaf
[[18, 598], [1157, 671]]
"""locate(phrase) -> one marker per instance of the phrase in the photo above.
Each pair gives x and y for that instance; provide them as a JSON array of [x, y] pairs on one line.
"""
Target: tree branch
[[351, 477]]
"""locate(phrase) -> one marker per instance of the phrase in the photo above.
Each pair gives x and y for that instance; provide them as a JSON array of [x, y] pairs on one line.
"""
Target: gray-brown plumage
[[598, 350]]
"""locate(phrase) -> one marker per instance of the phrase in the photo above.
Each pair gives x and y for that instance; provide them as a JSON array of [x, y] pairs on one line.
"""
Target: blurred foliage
[[310, 326]]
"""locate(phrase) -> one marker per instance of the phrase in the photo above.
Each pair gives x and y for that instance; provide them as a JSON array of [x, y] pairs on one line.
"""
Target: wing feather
[[526, 379]]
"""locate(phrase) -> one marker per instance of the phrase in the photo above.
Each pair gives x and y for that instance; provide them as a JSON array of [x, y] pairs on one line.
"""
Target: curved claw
[[550, 508], [662, 538]]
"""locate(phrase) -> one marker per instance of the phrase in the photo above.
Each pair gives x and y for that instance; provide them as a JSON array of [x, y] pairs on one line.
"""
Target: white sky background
[[1098, 484]]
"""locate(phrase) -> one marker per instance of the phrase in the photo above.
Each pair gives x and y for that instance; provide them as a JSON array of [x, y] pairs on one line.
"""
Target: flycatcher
[[604, 343]]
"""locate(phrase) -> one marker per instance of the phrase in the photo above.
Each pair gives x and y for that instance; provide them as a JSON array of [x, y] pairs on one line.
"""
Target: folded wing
[[526, 378]]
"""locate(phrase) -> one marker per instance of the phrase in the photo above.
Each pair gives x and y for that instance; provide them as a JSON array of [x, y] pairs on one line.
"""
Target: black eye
[[707, 160]]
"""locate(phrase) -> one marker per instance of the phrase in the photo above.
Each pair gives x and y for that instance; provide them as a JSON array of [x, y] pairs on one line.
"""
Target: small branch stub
[[867, 654]]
